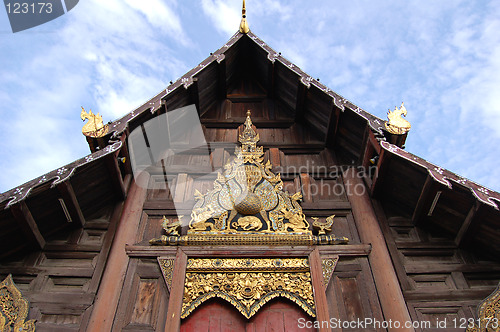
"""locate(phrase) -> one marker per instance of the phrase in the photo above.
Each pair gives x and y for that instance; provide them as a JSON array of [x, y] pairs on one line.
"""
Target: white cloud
[[226, 17]]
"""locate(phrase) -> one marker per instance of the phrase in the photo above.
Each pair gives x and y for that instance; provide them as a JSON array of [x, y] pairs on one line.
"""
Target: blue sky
[[442, 58]]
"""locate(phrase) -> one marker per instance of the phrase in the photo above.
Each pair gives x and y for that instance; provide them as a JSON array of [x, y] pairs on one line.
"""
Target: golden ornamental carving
[[397, 124], [328, 266], [13, 308], [244, 24], [247, 283], [171, 227], [95, 127], [248, 199], [323, 227], [167, 269], [488, 313]]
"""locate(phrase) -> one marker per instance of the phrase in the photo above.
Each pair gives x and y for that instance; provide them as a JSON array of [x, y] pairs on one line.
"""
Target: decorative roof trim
[[56, 176], [443, 176], [375, 123], [186, 80]]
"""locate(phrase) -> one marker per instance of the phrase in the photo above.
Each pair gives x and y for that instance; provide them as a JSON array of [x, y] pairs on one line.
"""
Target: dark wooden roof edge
[[446, 177], [376, 124], [152, 105], [55, 177], [118, 126]]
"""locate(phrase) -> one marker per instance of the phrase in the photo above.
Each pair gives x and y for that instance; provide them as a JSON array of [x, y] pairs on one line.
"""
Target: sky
[[442, 58]]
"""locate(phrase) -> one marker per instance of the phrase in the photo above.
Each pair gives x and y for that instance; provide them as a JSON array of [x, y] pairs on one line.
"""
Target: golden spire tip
[[244, 24]]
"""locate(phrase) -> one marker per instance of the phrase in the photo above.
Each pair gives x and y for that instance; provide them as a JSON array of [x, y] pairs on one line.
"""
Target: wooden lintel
[[28, 225], [68, 195], [351, 250], [466, 226], [116, 175], [301, 98]]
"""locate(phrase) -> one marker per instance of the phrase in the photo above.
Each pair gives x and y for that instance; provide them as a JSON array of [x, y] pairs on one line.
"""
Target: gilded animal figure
[[396, 123], [172, 227], [248, 223], [199, 218], [95, 127], [296, 221], [323, 227]]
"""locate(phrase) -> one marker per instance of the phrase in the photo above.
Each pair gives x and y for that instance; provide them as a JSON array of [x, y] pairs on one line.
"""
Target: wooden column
[[173, 323], [322, 312], [390, 295], [109, 291]]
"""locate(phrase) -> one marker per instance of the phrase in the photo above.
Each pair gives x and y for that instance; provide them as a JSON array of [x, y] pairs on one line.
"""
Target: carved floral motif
[[248, 283]]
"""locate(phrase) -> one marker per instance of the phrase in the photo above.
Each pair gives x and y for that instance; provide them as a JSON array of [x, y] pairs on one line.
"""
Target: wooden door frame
[[313, 253]]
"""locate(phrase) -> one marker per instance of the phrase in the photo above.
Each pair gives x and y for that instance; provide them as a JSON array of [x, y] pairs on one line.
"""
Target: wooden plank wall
[[61, 281], [351, 293], [439, 280]]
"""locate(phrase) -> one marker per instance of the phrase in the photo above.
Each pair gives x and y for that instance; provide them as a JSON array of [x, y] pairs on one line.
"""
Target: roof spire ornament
[[397, 125], [95, 127], [244, 24]]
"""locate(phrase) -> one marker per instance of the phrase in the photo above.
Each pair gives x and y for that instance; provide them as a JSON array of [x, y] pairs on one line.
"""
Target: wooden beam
[[173, 323], [464, 229], [320, 301], [301, 98], [422, 208], [28, 225], [333, 124], [382, 167], [388, 288], [111, 162], [270, 79], [194, 95], [113, 276], [73, 207], [391, 246], [221, 81], [250, 251]]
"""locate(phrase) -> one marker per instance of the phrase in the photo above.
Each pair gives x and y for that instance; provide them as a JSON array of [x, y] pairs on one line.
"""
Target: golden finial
[[244, 24], [396, 124], [95, 127]]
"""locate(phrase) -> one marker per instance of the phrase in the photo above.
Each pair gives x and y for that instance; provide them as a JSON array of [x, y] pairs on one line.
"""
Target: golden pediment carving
[[488, 313], [247, 283], [13, 308], [249, 199]]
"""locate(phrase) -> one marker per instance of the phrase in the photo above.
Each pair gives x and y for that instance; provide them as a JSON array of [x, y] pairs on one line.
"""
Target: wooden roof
[[286, 102]]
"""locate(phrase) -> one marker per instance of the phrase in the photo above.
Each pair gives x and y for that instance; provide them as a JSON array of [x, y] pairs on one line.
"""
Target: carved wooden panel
[[144, 298], [61, 281], [351, 292]]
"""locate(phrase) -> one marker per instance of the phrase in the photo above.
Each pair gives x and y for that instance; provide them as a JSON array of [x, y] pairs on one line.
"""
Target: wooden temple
[[303, 213]]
